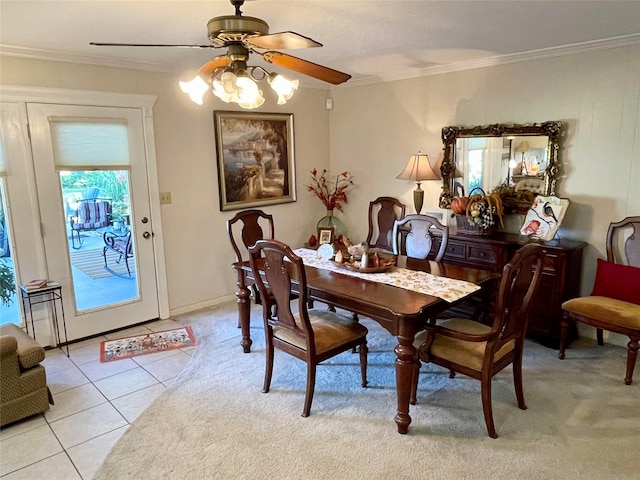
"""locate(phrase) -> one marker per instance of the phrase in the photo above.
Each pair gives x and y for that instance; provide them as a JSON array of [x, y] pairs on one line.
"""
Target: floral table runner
[[447, 289]]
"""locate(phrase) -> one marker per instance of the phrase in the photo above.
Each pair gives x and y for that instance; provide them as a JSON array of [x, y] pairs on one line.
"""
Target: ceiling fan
[[243, 36]]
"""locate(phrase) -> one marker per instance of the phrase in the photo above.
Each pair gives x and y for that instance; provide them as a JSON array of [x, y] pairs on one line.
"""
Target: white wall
[[197, 249], [596, 95]]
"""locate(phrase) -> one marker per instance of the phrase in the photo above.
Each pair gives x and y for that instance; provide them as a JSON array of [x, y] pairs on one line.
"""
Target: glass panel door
[[94, 205], [99, 233]]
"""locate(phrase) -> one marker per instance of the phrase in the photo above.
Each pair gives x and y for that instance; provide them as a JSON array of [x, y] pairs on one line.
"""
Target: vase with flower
[[332, 195]]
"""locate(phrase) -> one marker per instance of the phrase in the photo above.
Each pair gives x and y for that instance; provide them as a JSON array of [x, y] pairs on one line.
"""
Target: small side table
[[49, 294]]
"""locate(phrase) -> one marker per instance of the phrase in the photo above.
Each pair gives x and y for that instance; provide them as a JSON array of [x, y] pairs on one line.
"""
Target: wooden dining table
[[403, 313]]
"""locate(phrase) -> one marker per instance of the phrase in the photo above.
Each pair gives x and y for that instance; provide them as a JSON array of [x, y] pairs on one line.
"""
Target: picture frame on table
[[255, 159], [325, 235]]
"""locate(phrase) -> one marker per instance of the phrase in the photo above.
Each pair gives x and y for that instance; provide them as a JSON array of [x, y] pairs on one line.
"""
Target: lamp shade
[[418, 169], [523, 147]]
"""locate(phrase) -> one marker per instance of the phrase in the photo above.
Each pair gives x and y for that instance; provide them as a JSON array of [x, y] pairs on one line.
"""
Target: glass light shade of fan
[[195, 89], [283, 87], [227, 89], [250, 95]]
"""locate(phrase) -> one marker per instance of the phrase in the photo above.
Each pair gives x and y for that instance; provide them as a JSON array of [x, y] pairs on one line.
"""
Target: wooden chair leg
[[268, 371], [564, 334], [363, 362], [311, 383], [517, 381], [413, 398], [632, 356], [486, 405], [599, 336]]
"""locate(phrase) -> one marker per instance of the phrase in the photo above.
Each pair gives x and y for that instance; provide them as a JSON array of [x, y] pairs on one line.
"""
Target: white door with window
[[91, 177]]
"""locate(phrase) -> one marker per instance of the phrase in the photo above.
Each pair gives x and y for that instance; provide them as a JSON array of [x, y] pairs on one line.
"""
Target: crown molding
[[576, 48], [572, 49], [71, 57]]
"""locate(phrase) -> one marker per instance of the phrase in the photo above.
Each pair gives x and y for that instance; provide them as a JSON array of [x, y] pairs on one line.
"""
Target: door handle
[[144, 220], [146, 235]]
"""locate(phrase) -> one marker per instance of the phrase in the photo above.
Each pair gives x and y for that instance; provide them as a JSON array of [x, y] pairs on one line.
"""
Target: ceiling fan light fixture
[[226, 88], [284, 87], [195, 89], [249, 96]]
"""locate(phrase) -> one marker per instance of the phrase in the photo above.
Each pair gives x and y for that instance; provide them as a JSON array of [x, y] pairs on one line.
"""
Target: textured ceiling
[[371, 40]]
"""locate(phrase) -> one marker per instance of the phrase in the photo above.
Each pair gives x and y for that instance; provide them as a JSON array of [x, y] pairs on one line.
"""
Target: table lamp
[[418, 169], [522, 148]]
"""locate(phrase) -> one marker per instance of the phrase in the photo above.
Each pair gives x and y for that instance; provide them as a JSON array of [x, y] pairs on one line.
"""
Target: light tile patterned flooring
[[94, 405]]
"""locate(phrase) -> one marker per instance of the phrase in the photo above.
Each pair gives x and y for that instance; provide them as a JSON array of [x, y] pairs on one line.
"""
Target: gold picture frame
[[256, 162]]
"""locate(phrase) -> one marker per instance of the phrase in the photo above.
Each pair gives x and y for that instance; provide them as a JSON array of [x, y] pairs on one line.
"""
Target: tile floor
[[94, 405]]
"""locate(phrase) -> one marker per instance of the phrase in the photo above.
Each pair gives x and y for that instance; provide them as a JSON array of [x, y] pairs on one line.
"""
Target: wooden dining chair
[[383, 211], [310, 335], [480, 351], [614, 303], [245, 229], [413, 236]]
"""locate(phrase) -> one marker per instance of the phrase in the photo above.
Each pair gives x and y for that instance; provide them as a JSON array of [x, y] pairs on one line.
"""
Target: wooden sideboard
[[560, 280]]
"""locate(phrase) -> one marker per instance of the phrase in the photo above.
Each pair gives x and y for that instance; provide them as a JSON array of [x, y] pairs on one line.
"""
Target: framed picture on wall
[[256, 164]]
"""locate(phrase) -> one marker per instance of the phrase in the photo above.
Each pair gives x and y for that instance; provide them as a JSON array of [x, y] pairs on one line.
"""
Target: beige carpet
[[214, 422], [91, 262]]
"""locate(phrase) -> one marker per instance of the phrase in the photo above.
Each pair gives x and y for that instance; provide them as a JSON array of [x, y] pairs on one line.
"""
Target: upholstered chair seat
[[330, 330], [604, 308], [469, 354]]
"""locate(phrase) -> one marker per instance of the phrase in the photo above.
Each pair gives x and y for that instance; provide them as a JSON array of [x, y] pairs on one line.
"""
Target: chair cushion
[[29, 352], [605, 309], [330, 330], [469, 354], [617, 281]]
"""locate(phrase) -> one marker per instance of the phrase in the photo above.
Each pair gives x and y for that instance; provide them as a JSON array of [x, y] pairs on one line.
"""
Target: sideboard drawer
[[455, 250], [480, 255], [550, 262]]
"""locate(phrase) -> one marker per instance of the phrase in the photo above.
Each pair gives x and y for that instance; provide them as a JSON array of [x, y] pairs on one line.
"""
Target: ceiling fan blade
[[282, 41], [216, 62], [99, 44], [305, 67]]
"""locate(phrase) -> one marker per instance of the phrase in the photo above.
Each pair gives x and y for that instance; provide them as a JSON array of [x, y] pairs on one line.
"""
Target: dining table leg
[[406, 359], [244, 312]]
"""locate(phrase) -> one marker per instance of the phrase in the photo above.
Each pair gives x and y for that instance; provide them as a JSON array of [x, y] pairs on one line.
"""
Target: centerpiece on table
[[332, 195]]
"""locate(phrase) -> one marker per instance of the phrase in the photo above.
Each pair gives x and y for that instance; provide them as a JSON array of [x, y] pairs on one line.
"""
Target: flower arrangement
[[331, 195]]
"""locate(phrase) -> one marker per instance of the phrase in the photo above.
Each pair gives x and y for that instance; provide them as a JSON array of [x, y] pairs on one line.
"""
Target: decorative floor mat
[[137, 345]]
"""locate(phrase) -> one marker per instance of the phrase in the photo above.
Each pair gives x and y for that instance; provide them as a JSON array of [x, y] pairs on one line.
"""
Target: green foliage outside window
[[113, 184]]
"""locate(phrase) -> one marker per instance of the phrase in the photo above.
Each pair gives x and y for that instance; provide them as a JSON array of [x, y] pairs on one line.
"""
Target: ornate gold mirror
[[512, 156]]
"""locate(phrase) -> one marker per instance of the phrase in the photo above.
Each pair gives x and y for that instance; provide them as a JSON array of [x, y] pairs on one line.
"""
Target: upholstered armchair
[[23, 381], [481, 351]]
